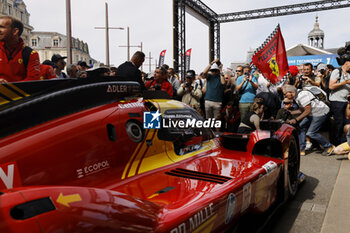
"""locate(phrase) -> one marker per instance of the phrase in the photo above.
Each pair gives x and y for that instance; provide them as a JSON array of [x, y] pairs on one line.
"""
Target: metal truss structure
[[284, 10], [213, 19]]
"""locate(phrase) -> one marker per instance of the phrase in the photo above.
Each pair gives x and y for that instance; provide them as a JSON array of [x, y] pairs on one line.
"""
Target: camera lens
[[246, 73]]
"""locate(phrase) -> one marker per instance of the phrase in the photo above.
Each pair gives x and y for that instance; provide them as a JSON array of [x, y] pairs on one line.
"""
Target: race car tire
[[293, 167]]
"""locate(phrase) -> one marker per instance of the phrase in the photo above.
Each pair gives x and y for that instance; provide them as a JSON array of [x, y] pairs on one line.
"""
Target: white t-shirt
[[342, 92], [318, 108], [262, 85]]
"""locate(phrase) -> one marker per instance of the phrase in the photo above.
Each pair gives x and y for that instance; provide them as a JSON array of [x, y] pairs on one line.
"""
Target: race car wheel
[[293, 167]]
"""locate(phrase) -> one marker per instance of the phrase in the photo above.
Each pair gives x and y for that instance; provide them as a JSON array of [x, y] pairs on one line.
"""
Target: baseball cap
[[190, 74], [214, 67], [321, 66], [56, 57], [83, 64], [293, 70]]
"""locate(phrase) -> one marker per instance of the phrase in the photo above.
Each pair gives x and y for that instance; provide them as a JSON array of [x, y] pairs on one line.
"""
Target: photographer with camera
[[214, 89], [339, 84], [191, 91], [160, 81], [246, 86], [324, 74], [308, 78]]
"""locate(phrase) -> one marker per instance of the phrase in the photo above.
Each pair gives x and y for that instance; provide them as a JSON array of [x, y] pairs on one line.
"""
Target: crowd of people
[[307, 99]]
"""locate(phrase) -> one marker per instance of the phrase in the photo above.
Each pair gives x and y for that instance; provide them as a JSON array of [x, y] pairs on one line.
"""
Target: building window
[[55, 43], [10, 9], [22, 16], [34, 42]]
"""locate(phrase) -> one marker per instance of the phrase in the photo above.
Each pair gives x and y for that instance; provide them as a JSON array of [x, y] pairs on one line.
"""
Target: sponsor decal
[[117, 88], [92, 168], [247, 196], [131, 105], [196, 220], [151, 120], [20, 60], [260, 190], [9, 176], [230, 207], [269, 166]]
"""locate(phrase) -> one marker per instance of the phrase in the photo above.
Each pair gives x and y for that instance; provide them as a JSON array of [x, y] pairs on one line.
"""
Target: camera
[[246, 73], [218, 63], [188, 84], [348, 98], [322, 71], [157, 87]]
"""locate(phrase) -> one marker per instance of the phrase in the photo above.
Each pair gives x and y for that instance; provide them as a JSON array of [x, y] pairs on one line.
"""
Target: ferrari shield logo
[[274, 66]]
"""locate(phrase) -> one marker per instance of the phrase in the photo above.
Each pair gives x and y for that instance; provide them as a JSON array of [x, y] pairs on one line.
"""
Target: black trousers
[[338, 110]]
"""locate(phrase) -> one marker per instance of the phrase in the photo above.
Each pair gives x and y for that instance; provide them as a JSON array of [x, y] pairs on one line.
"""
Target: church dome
[[316, 36], [316, 31]]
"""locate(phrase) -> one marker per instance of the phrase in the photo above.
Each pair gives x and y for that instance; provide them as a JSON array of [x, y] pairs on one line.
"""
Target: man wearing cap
[[313, 115], [292, 75], [82, 66], [59, 62], [339, 84], [17, 61], [324, 74], [214, 89], [190, 91]]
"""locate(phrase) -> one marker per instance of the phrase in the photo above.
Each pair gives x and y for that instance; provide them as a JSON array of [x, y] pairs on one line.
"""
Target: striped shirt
[[318, 108]]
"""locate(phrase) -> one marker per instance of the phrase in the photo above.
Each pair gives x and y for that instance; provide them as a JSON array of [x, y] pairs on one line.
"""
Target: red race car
[[95, 156]]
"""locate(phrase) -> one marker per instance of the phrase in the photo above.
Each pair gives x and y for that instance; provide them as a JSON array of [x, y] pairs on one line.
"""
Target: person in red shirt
[[160, 81], [47, 71], [12, 61]]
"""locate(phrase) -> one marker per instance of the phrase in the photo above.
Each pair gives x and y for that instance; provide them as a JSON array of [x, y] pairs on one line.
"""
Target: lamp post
[[69, 32], [128, 46], [107, 34]]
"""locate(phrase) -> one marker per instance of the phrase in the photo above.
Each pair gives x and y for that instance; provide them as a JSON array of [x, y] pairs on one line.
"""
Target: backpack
[[318, 93], [26, 55]]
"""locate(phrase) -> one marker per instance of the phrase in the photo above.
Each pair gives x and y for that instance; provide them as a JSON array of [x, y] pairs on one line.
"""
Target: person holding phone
[[246, 86], [214, 89]]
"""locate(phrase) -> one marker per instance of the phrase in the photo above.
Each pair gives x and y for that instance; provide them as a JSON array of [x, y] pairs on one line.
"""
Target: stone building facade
[[46, 43], [18, 10], [49, 43]]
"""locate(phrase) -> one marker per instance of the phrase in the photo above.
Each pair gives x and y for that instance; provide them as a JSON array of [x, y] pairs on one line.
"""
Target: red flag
[[187, 59], [271, 57], [161, 58]]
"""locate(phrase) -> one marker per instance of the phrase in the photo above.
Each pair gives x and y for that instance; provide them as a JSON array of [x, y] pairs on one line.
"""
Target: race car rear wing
[[26, 104]]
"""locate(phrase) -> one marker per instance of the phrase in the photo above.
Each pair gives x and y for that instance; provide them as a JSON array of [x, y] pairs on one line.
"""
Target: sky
[[150, 22]]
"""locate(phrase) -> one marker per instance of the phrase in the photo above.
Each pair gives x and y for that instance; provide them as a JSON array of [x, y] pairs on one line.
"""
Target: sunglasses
[[239, 70], [287, 102]]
